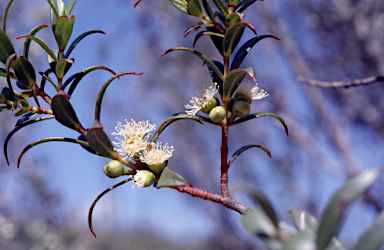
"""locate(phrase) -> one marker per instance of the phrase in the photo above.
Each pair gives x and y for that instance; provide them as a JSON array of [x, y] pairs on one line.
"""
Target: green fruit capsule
[[157, 168], [241, 109], [217, 114], [213, 103], [113, 169], [242, 97]]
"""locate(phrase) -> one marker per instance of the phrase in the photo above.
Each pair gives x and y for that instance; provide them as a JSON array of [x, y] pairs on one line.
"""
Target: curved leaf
[[179, 4], [175, 117], [196, 28], [245, 48], [64, 112], [242, 149], [194, 8], [262, 114], [215, 77], [242, 5], [208, 9], [6, 14], [333, 212], [68, 11], [97, 199], [25, 72], [233, 35], [104, 88], [201, 56], [42, 45], [63, 31], [217, 41], [99, 141], [233, 79], [17, 129], [27, 42], [27, 117], [169, 178], [6, 47], [202, 33], [4, 74], [8, 65], [64, 139], [373, 238], [78, 39], [219, 4]]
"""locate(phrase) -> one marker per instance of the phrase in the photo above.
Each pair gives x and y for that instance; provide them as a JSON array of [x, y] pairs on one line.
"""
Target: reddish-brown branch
[[224, 162], [341, 84]]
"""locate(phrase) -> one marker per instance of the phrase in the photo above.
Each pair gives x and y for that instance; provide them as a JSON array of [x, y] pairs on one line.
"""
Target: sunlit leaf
[[99, 141], [63, 31], [233, 80]]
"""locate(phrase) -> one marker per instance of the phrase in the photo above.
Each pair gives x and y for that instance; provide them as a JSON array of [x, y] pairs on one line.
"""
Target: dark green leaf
[[261, 198], [194, 8], [42, 45], [173, 118], [333, 212], [89, 149], [201, 56], [27, 42], [78, 39], [64, 112], [57, 10], [233, 80], [6, 47], [373, 238], [50, 139], [196, 28], [62, 67], [3, 73], [233, 18], [217, 41], [25, 72], [208, 9], [63, 31], [242, 149], [169, 178], [26, 117], [244, 50], [99, 141], [215, 77], [202, 33], [233, 35], [242, 5], [221, 6], [6, 14], [262, 114]]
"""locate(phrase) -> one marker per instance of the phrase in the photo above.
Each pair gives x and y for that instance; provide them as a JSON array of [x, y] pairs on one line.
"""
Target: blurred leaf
[[3, 73], [64, 112], [27, 42], [262, 114], [68, 11], [79, 38], [257, 222], [25, 72], [242, 149], [22, 107], [42, 45], [304, 240], [333, 212], [202, 33], [221, 6], [201, 56], [233, 79], [261, 198], [50, 139], [233, 35], [6, 15], [215, 77], [175, 117], [63, 31], [304, 221], [179, 5], [242, 5], [99, 141], [373, 238], [244, 50], [169, 178], [208, 9], [6, 47], [194, 8], [62, 67]]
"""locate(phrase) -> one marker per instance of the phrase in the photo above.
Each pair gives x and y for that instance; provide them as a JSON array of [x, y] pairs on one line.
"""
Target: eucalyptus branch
[[341, 84]]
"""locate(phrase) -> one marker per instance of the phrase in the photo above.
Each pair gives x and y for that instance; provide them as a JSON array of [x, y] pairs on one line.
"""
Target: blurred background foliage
[[334, 133]]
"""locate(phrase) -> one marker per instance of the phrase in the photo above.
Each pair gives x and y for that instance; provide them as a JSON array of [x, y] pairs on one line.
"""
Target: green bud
[[213, 103], [241, 109], [144, 178], [157, 168], [242, 97], [113, 169], [217, 114]]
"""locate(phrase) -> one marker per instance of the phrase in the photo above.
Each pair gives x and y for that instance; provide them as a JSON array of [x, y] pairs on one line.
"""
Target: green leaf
[[22, 107], [64, 112], [6, 47], [176, 117], [233, 18], [201, 56], [262, 114], [50, 139], [233, 36], [99, 141], [68, 11], [242, 149], [194, 8], [63, 31], [78, 39], [202, 33], [373, 238], [6, 14], [57, 10], [169, 178], [217, 41], [179, 4], [244, 50], [196, 28], [304, 240], [42, 45], [304, 221], [208, 9], [242, 5], [219, 4], [257, 222], [333, 212], [25, 72], [4, 74], [261, 198], [27, 42], [233, 80], [62, 67]]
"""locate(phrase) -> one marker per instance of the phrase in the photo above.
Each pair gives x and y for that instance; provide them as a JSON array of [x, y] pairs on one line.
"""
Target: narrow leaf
[[233, 35], [242, 5], [202, 33], [42, 45], [68, 11], [79, 38], [27, 42], [215, 77], [243, 149], [219, 4], [373, 238], [169, 178], [6, 14], [62, 67], [208, 9]]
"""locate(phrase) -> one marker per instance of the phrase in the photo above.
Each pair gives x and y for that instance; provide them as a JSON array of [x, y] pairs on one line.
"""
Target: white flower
[[133, 137], [202, 97], [143, 178], [254, 93], [155, 153]]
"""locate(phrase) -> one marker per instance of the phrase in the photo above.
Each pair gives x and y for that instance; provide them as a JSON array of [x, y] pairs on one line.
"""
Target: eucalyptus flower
[[202, 98], [245, 92], [143, 178]]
